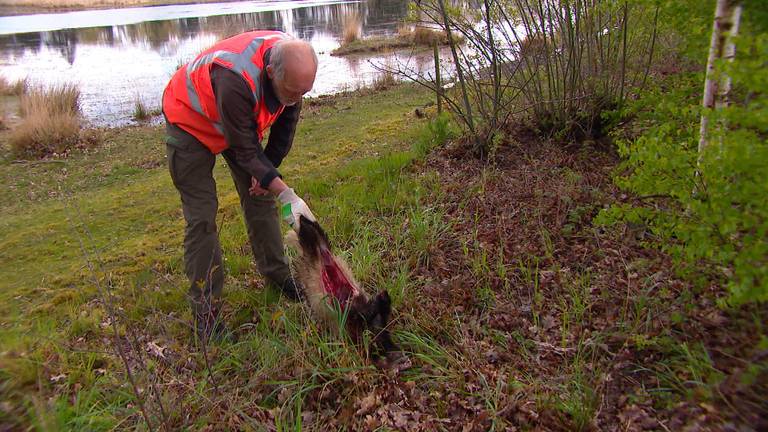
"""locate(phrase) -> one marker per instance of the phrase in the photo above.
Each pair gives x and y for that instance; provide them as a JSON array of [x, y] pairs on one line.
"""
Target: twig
[[207, 298], [106, 295], [36, 162]]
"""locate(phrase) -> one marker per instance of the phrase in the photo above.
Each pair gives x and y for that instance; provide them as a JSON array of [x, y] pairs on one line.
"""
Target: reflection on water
[[116, 64]]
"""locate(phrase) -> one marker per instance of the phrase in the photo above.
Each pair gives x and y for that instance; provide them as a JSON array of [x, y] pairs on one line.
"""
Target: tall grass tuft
[[384, 80], [436, 134], [8, 88], [352, 28], [57, 99], [140, 110], [51, 121]]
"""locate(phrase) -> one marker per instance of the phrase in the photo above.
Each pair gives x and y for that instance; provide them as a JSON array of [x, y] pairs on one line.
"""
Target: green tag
[[286, 213]]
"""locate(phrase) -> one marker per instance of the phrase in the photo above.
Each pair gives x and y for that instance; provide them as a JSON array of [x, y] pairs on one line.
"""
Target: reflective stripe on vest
[[240, 62]]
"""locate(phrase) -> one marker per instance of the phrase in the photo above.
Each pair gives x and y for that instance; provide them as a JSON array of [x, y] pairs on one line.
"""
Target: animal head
[[373, 314], [312, 238]]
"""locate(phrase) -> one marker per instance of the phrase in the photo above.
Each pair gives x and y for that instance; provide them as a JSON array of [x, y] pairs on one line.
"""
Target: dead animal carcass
[[331, 290]]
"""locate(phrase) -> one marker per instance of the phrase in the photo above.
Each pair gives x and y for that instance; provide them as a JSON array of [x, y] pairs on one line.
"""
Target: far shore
[[29, 7]]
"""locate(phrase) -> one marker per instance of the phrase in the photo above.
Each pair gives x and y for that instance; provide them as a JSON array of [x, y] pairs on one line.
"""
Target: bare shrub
[[562, 64]]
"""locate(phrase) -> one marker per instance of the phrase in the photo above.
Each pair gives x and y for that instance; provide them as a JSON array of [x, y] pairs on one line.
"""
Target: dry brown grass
[[352, 28], [51, 121], [57, 99], [427, 36], [8, 88], [419, 37], [42, 135]]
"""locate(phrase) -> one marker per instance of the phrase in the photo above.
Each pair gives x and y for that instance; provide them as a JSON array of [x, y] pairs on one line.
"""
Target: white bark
[[730, 54], [725, 26]]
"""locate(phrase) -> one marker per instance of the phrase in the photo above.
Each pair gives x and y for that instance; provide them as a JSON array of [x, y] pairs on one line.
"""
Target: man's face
[[292, 87]]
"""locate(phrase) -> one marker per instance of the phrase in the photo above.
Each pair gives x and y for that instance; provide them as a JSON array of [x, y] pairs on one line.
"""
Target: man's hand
[[292, 207], [255, 189]]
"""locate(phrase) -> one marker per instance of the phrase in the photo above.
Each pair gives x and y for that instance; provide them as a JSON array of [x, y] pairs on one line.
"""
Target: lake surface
[[117, 56]]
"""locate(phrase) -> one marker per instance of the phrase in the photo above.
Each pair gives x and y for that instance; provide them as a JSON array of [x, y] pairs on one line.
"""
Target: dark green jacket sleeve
[[235, 104], [281, 134]]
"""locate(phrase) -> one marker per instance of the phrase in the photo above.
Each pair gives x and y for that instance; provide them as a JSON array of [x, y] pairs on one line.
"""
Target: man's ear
[[270, 73]]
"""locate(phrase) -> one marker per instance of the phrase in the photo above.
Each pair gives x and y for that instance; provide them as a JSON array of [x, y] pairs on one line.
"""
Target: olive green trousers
[[191, 167]]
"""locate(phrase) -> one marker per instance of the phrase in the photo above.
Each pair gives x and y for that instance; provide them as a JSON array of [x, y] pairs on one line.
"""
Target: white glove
[[292, 207]]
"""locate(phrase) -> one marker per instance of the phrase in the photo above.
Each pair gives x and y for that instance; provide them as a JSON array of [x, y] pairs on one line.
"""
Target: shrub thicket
[[561, 63], [709, 210]]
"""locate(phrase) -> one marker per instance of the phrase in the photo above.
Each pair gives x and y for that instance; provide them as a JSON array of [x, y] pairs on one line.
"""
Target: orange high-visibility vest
[[188, 100]]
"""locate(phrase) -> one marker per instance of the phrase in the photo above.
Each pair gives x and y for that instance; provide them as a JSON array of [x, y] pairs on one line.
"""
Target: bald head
[[292, 69]]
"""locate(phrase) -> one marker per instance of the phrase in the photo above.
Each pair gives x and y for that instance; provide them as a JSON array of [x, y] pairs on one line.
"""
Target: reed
[[352, 28]]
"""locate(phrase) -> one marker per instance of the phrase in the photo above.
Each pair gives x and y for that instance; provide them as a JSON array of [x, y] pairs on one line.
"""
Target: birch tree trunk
[[725, 27]]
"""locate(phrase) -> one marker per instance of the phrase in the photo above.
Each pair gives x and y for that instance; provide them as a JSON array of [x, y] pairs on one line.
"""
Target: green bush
[[717, 219]]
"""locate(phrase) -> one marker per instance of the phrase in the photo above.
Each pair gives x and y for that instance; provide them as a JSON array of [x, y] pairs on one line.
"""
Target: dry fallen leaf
[[367, 404], [156, 350]]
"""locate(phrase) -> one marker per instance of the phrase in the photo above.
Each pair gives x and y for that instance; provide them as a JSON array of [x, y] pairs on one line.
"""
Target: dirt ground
[[557, 324]]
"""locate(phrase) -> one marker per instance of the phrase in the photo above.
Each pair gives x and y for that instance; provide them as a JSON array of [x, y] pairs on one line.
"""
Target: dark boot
[[208, 324]]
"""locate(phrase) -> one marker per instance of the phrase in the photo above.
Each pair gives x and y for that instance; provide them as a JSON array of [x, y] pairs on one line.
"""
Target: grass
[[140, 110], [384, 80], [8, 88], [526, 342], [57, 99], [116, 205]]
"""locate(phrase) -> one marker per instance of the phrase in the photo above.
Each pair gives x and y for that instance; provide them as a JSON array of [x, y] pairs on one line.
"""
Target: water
[[117, 56]]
